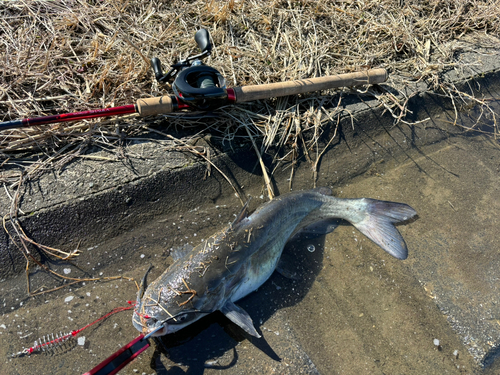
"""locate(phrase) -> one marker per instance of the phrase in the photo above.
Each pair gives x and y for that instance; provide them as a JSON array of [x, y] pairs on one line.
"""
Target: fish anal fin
[[317, 229], [320, 228], [239, 317]]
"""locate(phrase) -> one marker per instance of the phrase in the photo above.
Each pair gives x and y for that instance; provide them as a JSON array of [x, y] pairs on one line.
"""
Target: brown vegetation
[[74, 55]]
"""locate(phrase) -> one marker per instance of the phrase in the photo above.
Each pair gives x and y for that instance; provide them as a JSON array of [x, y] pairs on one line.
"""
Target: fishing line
[[52, 341]]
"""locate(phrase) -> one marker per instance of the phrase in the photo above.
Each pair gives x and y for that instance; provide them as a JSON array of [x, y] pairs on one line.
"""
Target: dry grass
[[73, 55]]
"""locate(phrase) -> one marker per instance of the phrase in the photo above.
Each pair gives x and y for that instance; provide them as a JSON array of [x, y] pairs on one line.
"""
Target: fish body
[[238, 260]]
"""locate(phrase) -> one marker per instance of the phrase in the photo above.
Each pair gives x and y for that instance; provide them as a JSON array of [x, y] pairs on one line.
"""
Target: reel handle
[[156, 65], [202, 38]]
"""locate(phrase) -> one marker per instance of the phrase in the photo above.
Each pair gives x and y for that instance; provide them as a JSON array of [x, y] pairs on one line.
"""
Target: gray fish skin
[[233, 263]]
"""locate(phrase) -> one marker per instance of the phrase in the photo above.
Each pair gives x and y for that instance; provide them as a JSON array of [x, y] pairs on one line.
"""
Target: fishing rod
[[200, 87]]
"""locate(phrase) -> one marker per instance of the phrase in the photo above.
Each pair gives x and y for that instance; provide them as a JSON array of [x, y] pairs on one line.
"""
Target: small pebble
[[68, 299], [67, 271], [438, 345], [81, 340]]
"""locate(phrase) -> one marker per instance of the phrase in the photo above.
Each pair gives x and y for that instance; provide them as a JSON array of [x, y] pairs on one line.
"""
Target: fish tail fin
[[378, 225]]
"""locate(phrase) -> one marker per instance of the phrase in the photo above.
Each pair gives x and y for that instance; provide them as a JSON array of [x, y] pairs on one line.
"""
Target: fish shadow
[[210, 343]]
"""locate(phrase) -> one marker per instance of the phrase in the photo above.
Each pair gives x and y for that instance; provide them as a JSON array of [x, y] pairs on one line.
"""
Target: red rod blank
[[93, 113]]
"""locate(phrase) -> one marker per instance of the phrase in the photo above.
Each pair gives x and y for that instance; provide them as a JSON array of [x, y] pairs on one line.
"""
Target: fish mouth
[[156, 332], [151, 327], [137, 322]]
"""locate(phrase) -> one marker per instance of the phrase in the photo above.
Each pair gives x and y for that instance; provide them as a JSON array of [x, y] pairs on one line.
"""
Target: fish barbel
[[238, 260]]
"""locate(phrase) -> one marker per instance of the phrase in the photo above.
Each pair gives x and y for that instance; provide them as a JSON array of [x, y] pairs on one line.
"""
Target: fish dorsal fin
[[323, 190], [243, 214], [179, 252], [239, 317]]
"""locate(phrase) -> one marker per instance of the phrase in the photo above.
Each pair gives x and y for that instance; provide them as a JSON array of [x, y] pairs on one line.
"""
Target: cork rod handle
[[154, 106], [272, 90]]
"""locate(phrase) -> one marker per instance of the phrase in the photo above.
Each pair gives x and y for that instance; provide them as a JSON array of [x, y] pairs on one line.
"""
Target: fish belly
[[259, 268]]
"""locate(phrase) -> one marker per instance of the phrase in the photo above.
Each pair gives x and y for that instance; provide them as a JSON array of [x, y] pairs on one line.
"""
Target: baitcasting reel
[[195, 84]]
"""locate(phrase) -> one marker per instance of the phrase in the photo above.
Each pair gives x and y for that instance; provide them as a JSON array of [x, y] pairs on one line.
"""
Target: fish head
[[191, 288], [162, 311], [154, 326]]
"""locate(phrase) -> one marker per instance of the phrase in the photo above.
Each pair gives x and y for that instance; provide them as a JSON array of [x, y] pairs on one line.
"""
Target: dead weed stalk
[[22, 242]]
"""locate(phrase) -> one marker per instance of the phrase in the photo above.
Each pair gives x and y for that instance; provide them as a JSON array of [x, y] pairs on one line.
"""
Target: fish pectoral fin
[[242, 215], [143, 285], [239, 317]]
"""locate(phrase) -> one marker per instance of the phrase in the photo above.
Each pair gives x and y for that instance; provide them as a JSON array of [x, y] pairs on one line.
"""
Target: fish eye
[[181, 318]]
